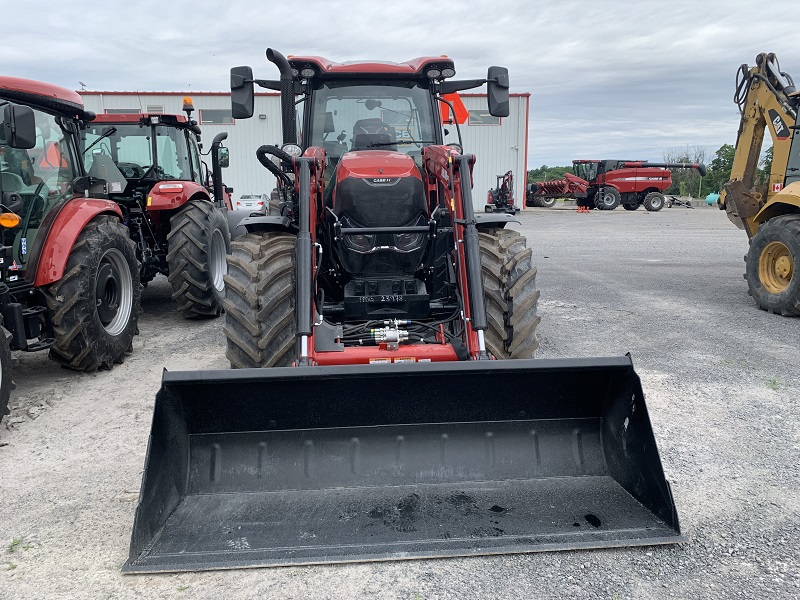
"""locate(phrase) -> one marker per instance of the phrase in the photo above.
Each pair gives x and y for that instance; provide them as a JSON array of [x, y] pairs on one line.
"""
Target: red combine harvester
[[367, 416], [605, 184], [501, 198]]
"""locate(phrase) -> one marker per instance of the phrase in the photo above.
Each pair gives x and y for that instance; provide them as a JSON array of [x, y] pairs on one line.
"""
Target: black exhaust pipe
[[287, 96]]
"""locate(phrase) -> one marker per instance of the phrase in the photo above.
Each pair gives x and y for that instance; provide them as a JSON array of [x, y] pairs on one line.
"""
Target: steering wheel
[[131, 170]]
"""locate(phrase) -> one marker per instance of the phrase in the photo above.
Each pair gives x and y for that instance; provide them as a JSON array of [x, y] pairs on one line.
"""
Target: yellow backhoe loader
[[770, 214]]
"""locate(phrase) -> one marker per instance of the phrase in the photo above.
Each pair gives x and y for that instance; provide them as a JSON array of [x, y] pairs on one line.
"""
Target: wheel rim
[[216, 260], [656, 202], [114, 292], [775, 267], [609, 199]]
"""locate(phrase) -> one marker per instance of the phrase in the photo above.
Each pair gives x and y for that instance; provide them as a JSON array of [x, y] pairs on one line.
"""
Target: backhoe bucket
[[312, 465]]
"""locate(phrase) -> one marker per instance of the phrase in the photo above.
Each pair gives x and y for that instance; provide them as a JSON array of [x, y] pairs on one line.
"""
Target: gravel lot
[[722, 384]]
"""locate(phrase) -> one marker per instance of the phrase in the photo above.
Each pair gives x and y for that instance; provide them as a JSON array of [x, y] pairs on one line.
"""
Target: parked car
[[252, 202]]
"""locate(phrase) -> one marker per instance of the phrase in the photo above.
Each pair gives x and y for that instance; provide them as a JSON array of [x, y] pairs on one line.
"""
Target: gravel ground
[[720, 377]]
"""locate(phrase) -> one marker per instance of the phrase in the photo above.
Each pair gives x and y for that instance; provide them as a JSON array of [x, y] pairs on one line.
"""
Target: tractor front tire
[[654, 201], [6, 384], [630, 206], [199, 241], [509, 283], [94, 307], [773, 266], [260, 289]]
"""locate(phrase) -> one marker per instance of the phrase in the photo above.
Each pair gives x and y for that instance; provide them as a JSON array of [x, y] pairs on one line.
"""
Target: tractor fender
[[787, 201], [259, 224], [169, 195], [67, 226], [494, 219]]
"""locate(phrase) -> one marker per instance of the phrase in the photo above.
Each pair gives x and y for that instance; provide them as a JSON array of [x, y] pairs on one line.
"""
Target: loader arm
[[767, 99]]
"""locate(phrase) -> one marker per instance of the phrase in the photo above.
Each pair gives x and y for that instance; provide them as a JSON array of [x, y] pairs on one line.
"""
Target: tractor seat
[[373, 131]]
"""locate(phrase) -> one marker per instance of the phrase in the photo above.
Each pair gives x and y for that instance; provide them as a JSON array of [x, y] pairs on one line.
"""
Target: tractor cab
[[145, 148], [35, 178]]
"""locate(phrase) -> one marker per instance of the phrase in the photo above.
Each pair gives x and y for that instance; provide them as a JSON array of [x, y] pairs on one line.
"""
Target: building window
[[216, 116], [482, 117], [123, 111], [155, 109]]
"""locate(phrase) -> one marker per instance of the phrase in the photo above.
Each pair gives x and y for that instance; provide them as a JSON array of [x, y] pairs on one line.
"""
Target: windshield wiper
[[376, 144]]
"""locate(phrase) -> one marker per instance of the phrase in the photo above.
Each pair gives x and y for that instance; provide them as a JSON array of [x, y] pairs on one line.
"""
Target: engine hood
[[377, 165]]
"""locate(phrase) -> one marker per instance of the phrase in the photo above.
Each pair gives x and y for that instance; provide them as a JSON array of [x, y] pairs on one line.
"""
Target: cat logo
[[781, 130]]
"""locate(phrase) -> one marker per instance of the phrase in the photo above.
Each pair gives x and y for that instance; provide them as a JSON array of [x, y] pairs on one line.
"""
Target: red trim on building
[[523, 204]]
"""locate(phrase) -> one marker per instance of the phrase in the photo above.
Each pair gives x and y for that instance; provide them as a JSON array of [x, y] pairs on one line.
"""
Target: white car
[[252, 202]]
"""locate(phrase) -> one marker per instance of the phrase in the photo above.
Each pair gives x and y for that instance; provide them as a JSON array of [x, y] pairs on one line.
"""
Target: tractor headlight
[[406, 242], [292, 150], [360, 243]]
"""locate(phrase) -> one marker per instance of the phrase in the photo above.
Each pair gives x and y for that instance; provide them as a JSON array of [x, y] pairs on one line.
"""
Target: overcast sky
[[607, 79]]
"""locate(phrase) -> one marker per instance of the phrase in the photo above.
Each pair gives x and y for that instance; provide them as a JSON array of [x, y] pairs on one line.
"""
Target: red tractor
[[501, 198], [70, 277], [605, 184], [374, 420], [175, 215]]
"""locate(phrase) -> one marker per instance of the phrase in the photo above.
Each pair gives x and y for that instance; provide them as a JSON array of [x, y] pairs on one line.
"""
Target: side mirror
[[224, 157], [242, 92], [497, 82], [19, 126]]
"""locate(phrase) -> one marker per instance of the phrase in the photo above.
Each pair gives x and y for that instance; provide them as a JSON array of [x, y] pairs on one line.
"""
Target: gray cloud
[[608, 79]]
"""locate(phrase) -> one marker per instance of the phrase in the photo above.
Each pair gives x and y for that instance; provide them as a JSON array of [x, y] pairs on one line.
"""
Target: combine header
[[384, 426]]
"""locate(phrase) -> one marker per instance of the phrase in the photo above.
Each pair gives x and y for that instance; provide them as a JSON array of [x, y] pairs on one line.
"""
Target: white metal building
[[499, 144]]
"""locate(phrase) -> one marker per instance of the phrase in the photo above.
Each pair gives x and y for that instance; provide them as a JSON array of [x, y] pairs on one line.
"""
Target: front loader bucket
[[310, 465]]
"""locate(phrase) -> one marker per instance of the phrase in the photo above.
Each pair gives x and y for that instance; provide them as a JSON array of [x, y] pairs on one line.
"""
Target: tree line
[[685, 182]]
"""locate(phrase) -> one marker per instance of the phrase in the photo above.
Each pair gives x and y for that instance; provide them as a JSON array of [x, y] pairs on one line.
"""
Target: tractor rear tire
[[94, 307], [773, 266], [509, 283], [198, 241], [260, 288], [609, 199], [654, 201], [630, 206], [6, 384]]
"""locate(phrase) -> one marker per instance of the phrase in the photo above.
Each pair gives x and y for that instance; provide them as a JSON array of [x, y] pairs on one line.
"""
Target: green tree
[[766, 162], [545, 173], [686, 181], [719, 172]]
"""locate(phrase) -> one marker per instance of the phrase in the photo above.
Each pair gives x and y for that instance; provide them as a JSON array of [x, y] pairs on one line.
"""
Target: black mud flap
[[316, 465]]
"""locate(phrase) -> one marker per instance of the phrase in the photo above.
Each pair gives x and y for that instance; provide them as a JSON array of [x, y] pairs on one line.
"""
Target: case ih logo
[[382, 180], [781, 130]]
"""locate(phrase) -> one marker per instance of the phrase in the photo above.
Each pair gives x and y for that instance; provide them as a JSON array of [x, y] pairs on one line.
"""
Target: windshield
[[350, 116], [41, 176], [587, 171], [131, 149]]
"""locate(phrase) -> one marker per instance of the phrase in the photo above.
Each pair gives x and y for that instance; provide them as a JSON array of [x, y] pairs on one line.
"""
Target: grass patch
[[18, 544]]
